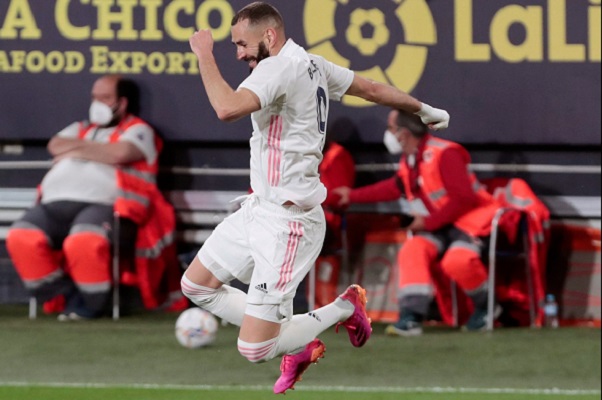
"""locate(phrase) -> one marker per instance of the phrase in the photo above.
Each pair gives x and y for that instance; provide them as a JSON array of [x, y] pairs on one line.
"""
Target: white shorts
[[269, 247]]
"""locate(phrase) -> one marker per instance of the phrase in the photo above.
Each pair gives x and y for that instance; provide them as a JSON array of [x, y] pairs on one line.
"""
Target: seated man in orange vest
[[103, 165], [451, 214]]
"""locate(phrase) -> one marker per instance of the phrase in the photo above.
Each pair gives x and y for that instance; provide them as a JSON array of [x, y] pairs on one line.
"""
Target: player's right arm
[[229, 104], [390, 96]]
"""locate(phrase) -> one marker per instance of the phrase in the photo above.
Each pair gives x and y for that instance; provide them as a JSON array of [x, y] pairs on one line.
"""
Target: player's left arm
[[390, 96], [229, 104]]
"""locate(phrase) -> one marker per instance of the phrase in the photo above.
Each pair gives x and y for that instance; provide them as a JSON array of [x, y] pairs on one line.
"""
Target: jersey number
[[322, 104]]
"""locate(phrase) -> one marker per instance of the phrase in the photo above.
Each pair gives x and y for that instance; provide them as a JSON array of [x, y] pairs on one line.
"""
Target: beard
[[262, 54]]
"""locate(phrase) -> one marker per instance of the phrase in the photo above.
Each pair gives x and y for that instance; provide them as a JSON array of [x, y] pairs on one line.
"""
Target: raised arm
[[390, 96], [229, 104]]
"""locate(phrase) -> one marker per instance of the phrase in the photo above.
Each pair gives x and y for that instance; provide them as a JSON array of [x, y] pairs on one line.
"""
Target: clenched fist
[[201, 43]]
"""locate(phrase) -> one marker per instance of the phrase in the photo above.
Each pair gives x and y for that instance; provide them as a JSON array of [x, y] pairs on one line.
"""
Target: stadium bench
[[197, 214]]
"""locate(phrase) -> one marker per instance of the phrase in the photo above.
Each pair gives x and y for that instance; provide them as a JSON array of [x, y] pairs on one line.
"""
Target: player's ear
[[271, 36]]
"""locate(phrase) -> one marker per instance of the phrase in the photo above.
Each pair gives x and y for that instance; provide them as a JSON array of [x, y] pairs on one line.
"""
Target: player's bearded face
[[262, 54]]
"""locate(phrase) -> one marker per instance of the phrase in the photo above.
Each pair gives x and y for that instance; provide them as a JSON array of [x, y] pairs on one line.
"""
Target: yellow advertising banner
[[523, 71]]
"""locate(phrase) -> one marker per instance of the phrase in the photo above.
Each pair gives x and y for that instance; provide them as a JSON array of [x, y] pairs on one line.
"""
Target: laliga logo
[[382, 40]]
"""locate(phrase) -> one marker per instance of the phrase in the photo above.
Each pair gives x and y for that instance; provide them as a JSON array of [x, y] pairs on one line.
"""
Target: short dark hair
[[259, 12], [412, 122], [129, 89]]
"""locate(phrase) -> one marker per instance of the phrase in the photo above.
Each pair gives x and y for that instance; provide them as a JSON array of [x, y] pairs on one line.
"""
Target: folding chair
[[115, 265], [494, 252]]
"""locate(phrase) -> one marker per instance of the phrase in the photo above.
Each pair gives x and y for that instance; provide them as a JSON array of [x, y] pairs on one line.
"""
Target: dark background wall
[[520, 72]]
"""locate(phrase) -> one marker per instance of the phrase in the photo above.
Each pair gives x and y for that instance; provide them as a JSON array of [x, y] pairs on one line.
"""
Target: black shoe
[[75, 308], [478, 320], [409, 324]]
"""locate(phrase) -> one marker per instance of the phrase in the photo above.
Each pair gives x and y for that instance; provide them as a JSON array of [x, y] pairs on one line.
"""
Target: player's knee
[[200, 295], [257, 353]]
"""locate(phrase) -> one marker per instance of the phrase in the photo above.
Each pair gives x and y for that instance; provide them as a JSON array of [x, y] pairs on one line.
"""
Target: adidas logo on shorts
[[262, 287], [315, 316]]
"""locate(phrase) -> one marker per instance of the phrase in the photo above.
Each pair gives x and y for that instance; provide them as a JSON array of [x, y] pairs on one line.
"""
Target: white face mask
[[392, 143], [100, 113]]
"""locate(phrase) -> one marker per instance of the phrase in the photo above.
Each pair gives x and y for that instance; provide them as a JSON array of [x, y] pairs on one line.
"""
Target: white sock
[[302, 329], [297, 333], [227, 302], [257, 352]]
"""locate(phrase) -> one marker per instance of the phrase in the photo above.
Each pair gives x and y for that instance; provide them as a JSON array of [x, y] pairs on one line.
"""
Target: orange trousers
[[424, 272]]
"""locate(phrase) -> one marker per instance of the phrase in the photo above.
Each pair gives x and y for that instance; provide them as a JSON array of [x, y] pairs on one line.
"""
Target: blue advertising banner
[[510, 72]]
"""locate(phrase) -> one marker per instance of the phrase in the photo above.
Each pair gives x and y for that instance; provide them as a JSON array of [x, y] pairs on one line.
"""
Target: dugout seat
[[520, 251], [517, 250], [519, 232]]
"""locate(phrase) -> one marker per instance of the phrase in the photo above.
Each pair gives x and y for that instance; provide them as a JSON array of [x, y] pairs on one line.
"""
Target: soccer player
[[274, 239]]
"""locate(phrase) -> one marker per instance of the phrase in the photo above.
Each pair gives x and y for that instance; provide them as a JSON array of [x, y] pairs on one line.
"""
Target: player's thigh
[[226, 252], [284, 248]]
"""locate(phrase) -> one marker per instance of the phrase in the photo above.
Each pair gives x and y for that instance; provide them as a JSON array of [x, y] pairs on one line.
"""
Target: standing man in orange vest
[[451, 213], [105, 164]]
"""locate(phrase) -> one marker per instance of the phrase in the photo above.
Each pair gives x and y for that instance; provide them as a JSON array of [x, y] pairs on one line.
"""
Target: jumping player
[[273, 240]]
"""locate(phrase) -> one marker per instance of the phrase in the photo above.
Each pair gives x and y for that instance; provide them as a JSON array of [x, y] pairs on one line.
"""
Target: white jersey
[[294, 88], [89, 181]]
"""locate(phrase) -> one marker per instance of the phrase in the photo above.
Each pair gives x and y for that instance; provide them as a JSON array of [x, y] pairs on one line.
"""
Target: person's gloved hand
[[435, 118]]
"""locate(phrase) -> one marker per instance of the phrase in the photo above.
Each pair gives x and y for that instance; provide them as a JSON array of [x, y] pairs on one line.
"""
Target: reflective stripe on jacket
[[136, 181]]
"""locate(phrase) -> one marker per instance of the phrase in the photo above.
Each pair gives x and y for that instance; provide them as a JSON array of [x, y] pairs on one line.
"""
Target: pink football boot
[[358, 325], [294, 365]]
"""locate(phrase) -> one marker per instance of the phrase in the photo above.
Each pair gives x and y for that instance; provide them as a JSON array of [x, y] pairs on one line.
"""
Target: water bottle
[[550, 309]]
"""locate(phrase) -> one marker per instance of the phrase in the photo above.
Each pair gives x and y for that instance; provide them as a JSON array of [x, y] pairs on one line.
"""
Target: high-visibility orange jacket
[[440, 181], [336, 169], [427, 174]]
